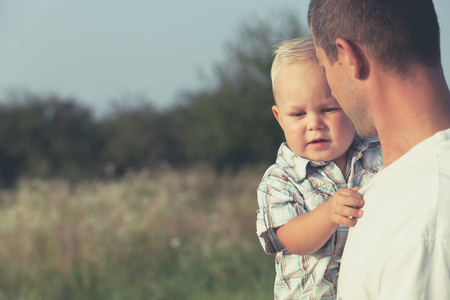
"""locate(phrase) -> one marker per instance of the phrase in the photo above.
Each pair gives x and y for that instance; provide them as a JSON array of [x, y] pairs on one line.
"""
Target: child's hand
[[344, 207]]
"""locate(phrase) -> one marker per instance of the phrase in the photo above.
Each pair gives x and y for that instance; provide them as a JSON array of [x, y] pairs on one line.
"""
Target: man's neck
[[408, 111]]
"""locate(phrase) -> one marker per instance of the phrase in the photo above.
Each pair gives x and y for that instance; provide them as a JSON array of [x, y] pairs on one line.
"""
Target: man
[[383, 64]]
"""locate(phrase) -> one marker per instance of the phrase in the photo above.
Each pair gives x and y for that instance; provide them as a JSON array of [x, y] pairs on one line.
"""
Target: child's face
[[314, 124]]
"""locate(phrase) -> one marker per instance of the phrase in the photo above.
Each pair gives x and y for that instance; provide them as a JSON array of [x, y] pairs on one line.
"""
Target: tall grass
[[164, 234]]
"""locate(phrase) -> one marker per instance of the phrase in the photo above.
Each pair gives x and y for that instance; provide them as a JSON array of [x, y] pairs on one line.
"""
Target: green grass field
[[166, 234]]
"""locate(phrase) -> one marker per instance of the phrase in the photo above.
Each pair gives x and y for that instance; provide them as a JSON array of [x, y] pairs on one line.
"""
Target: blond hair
[[291, 52]]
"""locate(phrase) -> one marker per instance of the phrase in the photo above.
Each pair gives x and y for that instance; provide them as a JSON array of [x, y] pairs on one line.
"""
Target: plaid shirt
[[294, 186]]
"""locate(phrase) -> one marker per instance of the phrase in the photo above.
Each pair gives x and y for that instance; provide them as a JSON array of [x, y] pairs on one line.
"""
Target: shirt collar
[[296, 166], [293, 164]]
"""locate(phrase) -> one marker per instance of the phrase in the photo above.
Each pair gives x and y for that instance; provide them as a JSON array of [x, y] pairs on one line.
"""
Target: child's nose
[[315, 122]]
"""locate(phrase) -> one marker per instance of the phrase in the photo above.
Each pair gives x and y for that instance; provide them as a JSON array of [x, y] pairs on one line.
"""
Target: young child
[[309, 197]]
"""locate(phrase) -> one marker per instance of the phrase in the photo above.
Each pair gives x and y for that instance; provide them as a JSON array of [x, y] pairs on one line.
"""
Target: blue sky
[[98, 51]]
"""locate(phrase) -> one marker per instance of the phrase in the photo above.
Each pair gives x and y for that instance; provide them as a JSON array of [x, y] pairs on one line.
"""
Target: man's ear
[[276, 113], [354, 56]]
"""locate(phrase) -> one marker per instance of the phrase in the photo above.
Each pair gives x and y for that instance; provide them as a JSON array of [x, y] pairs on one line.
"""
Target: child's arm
[[306, 233]]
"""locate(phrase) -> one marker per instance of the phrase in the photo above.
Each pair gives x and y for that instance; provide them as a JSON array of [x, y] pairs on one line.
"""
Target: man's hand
[[344, 208]]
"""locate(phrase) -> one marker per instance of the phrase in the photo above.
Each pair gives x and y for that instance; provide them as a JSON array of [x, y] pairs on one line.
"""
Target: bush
[[186, 234]]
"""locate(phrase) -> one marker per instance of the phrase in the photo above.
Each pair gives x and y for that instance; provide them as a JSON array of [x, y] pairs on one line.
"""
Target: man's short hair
[[397, 33]]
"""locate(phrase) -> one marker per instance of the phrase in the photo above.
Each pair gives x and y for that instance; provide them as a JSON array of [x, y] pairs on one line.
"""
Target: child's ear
[[276, 113], [354, 56]]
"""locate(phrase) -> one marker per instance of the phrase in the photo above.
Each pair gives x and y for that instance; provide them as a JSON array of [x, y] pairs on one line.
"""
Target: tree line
[[227, 124]]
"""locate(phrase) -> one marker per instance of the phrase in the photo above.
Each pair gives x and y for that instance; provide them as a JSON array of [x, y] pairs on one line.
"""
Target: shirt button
[[315, 202]]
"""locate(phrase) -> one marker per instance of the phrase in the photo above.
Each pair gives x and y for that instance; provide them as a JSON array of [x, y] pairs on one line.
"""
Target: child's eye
[[299, 114], [326, 110]]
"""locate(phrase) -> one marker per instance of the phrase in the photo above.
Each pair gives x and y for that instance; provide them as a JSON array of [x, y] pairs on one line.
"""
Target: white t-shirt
[[400, 248]]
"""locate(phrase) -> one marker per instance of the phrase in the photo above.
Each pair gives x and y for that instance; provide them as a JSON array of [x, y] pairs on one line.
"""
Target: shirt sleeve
[[419, 271], [278, 201]]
